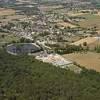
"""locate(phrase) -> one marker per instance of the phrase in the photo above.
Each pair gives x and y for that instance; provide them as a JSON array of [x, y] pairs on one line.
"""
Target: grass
[[7, 38]]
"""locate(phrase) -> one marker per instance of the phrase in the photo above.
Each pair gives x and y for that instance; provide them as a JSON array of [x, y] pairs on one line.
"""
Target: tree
[[3, 36], [85, 44]]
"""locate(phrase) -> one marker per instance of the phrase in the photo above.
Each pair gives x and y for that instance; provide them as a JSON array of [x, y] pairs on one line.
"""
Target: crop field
[[72, 13], [10, 18], [49, 7], [89, 41], [89, 60], [66, 24], [90, 21], [4, 12], [9, 15]]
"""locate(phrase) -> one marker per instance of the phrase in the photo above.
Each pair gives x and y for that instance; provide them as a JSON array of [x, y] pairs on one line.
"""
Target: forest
[[24, 78]]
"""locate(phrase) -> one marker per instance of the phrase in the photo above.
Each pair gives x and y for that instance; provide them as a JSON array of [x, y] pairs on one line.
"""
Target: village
[[58, 29]]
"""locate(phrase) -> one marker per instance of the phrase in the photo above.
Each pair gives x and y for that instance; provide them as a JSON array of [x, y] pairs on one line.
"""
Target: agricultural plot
[[4, 12], [71, 13], [88, 40], [7, 15], [11, 18], [66, 24], [90, 21], [49, 7], [89, 60]]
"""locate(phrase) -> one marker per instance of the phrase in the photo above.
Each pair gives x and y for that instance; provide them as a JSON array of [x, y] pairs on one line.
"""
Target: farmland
[[7, 15], [90, 21], [89, 41], [89, 60], [4, 12], [66, 24], [63, 64]]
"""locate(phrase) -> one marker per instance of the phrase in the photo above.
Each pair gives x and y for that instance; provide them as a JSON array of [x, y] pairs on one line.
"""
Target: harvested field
[[49, 7], [66, 24], [89, 41], [89, 60], [90, 21], [4, 12], [10, 18], [75, 14]]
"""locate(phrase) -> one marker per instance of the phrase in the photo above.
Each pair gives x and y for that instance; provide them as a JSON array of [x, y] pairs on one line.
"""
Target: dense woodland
[[24, 78]]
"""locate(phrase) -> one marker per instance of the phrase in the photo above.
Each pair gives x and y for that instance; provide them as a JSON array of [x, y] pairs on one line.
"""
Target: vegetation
[[68, 49], [97, 49], [23, 40], [24, 78]]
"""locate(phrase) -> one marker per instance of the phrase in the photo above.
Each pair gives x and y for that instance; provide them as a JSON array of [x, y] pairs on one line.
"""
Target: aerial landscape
[[49, 49]]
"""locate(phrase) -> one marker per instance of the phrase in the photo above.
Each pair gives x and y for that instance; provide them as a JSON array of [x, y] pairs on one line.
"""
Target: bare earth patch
[[89, 60]]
